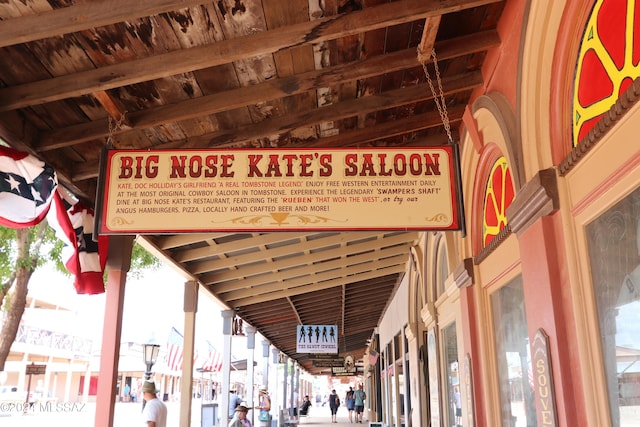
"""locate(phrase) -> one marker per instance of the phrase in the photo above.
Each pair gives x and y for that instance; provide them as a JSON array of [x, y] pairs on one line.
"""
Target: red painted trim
[[548, 305], [488, 157], [574, 20]]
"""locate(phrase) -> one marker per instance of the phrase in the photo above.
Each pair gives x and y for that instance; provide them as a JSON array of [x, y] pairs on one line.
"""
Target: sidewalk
[[130, 415]]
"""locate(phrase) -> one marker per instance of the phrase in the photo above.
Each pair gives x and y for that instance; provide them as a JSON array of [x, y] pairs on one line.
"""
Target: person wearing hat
[[154, 413], [240, 416], [265, 407]]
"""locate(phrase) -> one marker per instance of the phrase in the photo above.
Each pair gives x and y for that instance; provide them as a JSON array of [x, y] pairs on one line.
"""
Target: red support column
[[118, 263]]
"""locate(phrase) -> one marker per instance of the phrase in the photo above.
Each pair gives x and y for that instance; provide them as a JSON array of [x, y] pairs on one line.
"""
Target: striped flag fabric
[[213, 362], [175, 345], [72, 222], [27, 186]]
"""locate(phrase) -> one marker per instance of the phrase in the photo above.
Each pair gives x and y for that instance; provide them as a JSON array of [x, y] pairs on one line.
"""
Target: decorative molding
[[427, 314], [538, 198], [410, 331], [463, 273], [499, 107], [487, 250], [627, 100]]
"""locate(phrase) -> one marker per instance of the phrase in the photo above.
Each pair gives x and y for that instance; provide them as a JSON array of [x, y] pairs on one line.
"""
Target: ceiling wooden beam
[[283, 293], [335, 267], [349, 108], [266, 91], [295, 282], [83, 16], [227, 51], [427, 43], [281, 251]]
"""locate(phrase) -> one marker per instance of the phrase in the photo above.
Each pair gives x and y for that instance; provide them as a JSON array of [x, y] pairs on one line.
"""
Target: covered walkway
[[320, 416]]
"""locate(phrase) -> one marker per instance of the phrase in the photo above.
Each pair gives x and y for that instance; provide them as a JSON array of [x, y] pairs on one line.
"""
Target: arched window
[[608, 62], [442, 266], [498, 195]]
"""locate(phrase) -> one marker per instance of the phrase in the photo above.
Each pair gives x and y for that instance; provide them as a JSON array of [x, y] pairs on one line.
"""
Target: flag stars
[[15, 185], [36, 195]]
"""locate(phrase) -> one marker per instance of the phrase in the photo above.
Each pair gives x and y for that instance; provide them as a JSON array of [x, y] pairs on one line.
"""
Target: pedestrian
[[265, 407], [457, 400], [360, 396], [294, 404], [334, 404], [351, 403], [234, 401], [240, 416], [154, 413]]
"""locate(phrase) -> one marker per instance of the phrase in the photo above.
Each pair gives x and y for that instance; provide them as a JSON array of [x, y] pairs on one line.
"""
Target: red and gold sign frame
[[181, 191]]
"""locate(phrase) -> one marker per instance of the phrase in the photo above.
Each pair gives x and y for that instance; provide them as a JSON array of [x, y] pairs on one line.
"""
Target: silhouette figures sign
[[317, 339]]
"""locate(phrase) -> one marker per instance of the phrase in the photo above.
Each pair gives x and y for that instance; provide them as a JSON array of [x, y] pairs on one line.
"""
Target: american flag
[[26, 188], [175, 345], [373, 357], [213, 362], [84, 258]]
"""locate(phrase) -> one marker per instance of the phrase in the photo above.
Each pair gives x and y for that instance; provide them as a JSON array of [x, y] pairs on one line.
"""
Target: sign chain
[[439, 99], [114, 126]]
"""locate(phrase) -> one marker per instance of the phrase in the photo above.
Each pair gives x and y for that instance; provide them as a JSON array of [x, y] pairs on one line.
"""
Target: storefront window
[[442, 271], [450, 346], [514, 360], [614, 256]]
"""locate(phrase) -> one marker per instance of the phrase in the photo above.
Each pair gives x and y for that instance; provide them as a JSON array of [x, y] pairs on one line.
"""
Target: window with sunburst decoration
[[607, 62], [498, 195]]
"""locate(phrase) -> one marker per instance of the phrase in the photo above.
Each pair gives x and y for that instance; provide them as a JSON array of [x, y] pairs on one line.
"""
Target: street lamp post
[[150, 352]]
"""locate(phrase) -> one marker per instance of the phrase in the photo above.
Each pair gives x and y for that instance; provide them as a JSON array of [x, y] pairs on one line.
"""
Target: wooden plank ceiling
[[151, 74]]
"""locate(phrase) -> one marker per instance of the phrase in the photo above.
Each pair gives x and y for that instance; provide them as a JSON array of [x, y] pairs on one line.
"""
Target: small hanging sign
[[317, 339]]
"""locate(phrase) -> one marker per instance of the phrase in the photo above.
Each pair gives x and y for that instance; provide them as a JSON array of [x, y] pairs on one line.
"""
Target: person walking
[[351, 403], [265, 407], [334, 404], [360, 396], [154, 413]]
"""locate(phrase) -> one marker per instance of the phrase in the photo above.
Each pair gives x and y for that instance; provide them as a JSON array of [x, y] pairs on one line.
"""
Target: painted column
[[274, 395], [47, 378], [265, 363], [190, 309], [67, 382], [87, 383], [251, 345], [285, 373], [223, 410], [118, 263]]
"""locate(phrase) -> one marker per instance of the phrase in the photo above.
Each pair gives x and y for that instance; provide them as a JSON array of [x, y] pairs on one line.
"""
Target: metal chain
[[440, 102], [114, 126]]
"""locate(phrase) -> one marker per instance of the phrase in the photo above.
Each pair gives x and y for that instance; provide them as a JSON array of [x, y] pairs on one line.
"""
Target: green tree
[[22, 251]]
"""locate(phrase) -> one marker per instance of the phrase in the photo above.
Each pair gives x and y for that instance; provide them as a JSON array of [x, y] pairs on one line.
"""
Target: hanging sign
[[317, 339], [280, 189], [343, 371], [34, 369]]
